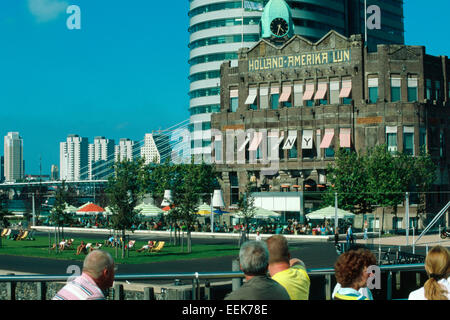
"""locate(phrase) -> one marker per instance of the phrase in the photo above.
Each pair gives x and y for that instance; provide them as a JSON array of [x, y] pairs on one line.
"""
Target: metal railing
[[326, 275]]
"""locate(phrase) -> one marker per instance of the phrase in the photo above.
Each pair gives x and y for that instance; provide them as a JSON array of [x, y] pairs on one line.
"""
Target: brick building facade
[[289, 106]]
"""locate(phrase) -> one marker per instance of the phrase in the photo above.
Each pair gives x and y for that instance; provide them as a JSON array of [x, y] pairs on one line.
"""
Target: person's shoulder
[[418, 294]]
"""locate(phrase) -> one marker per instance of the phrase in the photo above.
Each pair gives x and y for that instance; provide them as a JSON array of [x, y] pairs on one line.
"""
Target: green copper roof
[[275, 9]]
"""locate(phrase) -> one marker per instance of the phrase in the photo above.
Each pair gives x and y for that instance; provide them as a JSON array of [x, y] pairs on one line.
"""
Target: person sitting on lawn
[[96, 247], [150, 244], [81, 248]]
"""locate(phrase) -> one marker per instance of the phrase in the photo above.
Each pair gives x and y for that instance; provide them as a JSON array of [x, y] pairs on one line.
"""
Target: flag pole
[[365, 22], [242, 28]]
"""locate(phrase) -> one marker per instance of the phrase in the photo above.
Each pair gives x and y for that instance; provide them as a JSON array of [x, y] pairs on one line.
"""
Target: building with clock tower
[[291, 103]]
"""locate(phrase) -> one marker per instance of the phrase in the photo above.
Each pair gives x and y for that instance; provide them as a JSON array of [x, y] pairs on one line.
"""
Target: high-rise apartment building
[[219, 28], [74, 158], [156, 148], [101, 158], [13, 157], [127, 149]]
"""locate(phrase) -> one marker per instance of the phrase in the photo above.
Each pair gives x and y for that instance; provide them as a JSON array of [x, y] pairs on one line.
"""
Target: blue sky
[[122, 75]]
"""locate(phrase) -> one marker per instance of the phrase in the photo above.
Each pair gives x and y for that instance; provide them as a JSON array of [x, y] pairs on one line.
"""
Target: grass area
[[40, 248]]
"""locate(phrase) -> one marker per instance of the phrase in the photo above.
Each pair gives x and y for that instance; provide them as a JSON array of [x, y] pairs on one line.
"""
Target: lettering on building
[[299, 60]]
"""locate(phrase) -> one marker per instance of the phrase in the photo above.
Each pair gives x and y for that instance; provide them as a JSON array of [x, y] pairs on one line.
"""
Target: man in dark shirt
[[254, 262]]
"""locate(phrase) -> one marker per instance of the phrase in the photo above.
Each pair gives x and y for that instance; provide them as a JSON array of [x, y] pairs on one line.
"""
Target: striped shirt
[[81, 288], [349, 294]]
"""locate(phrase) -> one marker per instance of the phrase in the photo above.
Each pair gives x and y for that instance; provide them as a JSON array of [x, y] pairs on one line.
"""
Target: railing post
[[149, 293], [389, 286], [11, 289], [194, 290], [118, 292], [41, 290], [207, 290], [328, 287]]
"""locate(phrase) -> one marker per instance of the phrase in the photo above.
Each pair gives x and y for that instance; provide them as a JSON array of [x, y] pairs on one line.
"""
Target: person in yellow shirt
[[290, 273]]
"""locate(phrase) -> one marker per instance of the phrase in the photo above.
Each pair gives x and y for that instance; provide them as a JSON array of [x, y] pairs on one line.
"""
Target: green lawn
[[40, 248]]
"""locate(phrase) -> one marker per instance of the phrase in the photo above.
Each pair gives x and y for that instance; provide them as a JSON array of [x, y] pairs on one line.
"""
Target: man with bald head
[[96, 278]]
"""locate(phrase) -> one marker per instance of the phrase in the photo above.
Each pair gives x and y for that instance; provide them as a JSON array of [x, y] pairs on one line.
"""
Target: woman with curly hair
[[351, 274], [437, 266]]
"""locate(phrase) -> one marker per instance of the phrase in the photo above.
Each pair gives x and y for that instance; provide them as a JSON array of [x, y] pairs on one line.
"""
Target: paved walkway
[[430, 240]]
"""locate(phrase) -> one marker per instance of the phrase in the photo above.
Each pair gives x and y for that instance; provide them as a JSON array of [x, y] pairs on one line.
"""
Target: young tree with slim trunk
[[58, 215], [247, 209], [125, 188]]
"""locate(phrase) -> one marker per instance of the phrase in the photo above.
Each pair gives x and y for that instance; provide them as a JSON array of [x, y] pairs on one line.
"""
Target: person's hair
[[278, 249], [96, 261], [254, 258], [350, 265], [437, 266]]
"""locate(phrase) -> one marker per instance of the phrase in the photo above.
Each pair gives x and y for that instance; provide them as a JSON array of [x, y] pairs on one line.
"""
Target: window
[[441, 143], [373, 90], [298, 94], [334, 92], [428, 88], [391, 139], [346, 91], [234, 103], [321, 93], [206, 125], [308, 94], [329, 153], [293, 153], [412, 89], [234, 100], [408, 140], [396, 94], [438, 90], [234, 182], [274, 101], [285, 96], [423, 139], [251, 99], [218, 149], [264, 97]]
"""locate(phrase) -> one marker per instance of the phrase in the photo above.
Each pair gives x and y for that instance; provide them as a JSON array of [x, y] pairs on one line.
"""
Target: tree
[[58, 214], [377, 178], [124, 189], [4, 209], [190, 184], [348, 178], [246, 205]]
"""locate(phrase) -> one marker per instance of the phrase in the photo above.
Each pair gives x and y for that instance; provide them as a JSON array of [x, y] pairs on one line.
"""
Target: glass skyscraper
[[218, 28]]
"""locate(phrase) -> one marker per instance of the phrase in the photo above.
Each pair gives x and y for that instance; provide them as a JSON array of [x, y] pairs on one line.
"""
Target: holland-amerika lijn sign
[[299, 60]]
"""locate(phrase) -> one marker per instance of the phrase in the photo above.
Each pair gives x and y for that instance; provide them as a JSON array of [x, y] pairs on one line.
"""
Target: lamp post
[[216, 202]]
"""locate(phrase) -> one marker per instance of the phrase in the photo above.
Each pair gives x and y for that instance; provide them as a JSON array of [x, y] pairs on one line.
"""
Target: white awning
[[252, 93]]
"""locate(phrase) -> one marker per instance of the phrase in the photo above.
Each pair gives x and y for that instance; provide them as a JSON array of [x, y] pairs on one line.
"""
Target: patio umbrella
[[70, 208], [204, 209], [261, 213], [329, 213], [91, 208], [149, 210], [219, 211]]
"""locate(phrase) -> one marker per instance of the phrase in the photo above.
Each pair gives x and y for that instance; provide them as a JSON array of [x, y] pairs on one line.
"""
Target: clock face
[[279, 27]]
